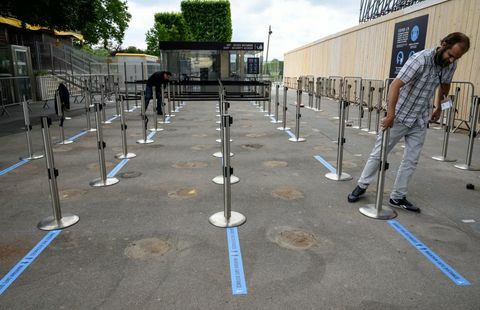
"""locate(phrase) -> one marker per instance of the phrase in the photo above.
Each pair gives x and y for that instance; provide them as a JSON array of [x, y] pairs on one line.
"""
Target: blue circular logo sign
[[415, 33]]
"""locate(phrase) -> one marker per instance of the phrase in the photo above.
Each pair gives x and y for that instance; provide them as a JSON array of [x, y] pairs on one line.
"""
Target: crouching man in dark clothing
[[157, 79]]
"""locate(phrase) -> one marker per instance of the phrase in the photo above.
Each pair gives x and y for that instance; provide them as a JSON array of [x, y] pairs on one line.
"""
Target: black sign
[[209, 46], [253, 65], [409, 38]]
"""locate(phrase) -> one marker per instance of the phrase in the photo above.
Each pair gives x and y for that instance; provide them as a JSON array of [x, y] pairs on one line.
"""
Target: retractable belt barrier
[[58, 220], [28, 129], [471, 136]]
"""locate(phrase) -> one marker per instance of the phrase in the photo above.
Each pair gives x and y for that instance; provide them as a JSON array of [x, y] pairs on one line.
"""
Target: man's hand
[[436, 114], [387, 122]]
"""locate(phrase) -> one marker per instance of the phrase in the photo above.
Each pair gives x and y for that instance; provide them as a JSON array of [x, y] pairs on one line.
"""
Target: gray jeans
[[414, 138]]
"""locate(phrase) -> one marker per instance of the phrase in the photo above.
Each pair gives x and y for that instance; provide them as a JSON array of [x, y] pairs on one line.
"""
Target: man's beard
[[439, 60]]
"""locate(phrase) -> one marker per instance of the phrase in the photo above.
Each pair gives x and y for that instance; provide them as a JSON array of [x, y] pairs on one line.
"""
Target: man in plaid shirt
[[408, 112]]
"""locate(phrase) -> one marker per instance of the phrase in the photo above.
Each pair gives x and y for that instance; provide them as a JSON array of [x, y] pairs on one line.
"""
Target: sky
[[294, 22]]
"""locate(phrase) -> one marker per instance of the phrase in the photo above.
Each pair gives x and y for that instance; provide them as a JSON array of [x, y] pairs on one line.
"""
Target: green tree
[[208, 20], [100, 21], [167, 27]]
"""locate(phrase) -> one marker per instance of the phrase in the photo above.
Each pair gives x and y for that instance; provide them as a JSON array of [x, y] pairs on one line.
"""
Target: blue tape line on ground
[[167, 119], [18, 269], [150, 135], [113, 118], [290, 133], [434, 258], [78, 135], [132, 109], [20, 163], [239, 285], [325, 163], [117, 168]]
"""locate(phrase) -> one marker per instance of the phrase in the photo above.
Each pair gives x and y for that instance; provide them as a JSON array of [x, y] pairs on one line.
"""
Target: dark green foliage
[[100, 21], [208, 20], [167, 27]]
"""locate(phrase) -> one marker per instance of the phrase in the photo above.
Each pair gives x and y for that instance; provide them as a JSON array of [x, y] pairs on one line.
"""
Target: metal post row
[[28, 129], [473, 133], [123, 127]]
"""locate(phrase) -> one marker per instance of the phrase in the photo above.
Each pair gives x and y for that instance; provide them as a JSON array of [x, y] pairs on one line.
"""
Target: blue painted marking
[[150, 135], [117, 168], [78, 135], [434, 258], [18, 269], [290, 133], [167, 119], [239, 285], [20, 163], [132, 109], [113, 118], [325, 163]]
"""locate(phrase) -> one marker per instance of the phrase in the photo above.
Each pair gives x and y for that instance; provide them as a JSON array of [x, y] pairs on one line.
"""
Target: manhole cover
[[287, 193], [201, 147], [96, 166], [275, 164], [187, 192], [256, 135], [252, 146], [71, 194], [130, 174], [292, 238], [147, 249], [190, 164], [199, 135]]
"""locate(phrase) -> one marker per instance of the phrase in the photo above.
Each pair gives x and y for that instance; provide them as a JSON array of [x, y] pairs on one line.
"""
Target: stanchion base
[[49, 223], [466, 167], [92, 130], [155, 129], [297, 140], [33, 157], [217, 122], [343, 177], [444, 159], [125, 156], [275, 122], [170, 115], [356, 127], [219, 179], [142, 141], [218, 129], [384, 214], [219, 220], [67, 118], [365, 129], [372, 132], [162, 122], [334, 118], [269, 115], [220, 154], [283, 128], [107, 122], [108, 182], [66, 142]]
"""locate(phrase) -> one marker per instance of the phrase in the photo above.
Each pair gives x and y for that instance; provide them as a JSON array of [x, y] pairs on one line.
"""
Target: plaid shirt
[[421, 77]]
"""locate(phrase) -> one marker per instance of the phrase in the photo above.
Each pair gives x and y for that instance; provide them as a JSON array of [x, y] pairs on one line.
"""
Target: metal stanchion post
[[360, 106], [310, 94], [117, 108], [154, 105], [164, 111], [267, 93], [123, 126], [104, 105], [284, 121], [169, 102], [471, 138], [28, 128], [277, 103], [127, 99], [145, 139], [369, 107], [61, 120], [339, 175], [135, 86], [88, 102], [57, 221], [379, 109], [103, 180], [298, 115], [227, 218], [378, 210], [318, 97], [446, 135]]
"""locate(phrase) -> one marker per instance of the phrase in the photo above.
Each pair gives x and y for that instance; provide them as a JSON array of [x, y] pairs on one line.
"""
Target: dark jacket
[[157, 80], [64, 97]]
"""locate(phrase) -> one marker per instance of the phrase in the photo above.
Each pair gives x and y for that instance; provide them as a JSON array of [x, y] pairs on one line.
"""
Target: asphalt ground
[[146, 242]]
